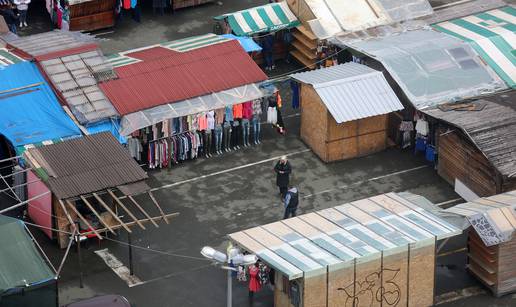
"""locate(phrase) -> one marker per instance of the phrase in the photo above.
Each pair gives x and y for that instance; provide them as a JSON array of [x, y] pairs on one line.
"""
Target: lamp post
[[233, 255]]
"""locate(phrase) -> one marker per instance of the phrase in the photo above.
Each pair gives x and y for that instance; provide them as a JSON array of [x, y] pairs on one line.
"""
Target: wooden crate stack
[[494, 266], [304, 46]]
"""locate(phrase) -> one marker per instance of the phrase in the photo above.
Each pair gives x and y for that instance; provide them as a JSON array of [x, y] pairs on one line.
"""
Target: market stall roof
[[50, 44], [460, 9], [85, 165], [265, 18], [431, 67], [352, 91], [490, 125], [161, 75], [7, 57], [75, 77], [247, 43], [306, 245], [30, 111], [21, 263], [493, 35], [342, 16], [493, 218]]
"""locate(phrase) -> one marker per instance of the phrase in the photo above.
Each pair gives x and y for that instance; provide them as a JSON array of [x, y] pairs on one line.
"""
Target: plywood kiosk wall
[[459, 159], [313, 121]]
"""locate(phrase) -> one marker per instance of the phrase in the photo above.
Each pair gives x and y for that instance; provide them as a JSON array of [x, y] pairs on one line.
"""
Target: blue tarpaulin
[[247, 43], [29, 110], [110, 125]]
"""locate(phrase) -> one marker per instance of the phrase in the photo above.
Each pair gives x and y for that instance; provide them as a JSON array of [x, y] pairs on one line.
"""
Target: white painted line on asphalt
[[118, 267], [227, 170], [458, 295], [367, 180], [174, 274]]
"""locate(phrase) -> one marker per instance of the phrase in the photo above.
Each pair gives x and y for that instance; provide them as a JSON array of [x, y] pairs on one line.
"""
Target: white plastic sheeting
[[134, 121], [431, 67]]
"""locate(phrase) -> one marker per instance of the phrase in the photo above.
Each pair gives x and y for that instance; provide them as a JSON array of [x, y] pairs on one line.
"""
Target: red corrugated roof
[[165, 76]]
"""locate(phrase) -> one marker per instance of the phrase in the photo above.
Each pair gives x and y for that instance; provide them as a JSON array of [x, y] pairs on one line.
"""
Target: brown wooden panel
[[371, 143], [93, 22], [421, 276], [341, 131], [314, 291], [372, 124], [342, 149], [313, 121]]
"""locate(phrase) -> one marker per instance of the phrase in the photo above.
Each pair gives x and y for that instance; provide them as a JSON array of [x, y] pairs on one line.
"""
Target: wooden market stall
[[491, 241], [344, 110], [378, 251], [94, 183], [476, 143]]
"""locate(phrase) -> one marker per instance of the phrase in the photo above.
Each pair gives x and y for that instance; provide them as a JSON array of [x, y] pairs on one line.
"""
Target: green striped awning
[[180, 45], [492, 35], [265, 18], [8, 58]]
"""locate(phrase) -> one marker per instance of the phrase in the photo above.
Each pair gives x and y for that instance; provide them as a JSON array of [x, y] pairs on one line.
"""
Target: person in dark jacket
[[283, 170], [291, 203], [11, 19]]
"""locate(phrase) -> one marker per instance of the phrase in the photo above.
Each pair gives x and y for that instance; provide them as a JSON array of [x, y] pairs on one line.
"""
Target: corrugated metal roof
[[493, 218], [310, 244], [163, 76], [461, 9], [431, 67], [75, 77], [492, 130], [352, 91], [53, 42], [85, 165], [493, 35]]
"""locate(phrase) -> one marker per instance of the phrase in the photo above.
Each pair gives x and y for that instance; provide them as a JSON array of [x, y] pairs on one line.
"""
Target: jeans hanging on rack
[[227, 136], [237, 132], [218, 138], [256, 129], [207, 142], [245, 132]]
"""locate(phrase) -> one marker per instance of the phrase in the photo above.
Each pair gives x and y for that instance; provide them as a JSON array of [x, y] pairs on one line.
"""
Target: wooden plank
[[84, 220], [111, 212], [119, 202], [152, 219], [143, 211], [70, 220], [97, 214], [158, 206]]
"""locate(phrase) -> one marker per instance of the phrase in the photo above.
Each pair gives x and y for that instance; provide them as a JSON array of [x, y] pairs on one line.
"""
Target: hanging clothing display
[[406, 128], [254, 283], [237, 111], [295, 94], [422, 127]]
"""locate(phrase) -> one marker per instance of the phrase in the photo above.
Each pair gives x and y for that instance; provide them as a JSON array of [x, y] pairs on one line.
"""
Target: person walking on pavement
[[22, 6], [283, 170], [291, 202]]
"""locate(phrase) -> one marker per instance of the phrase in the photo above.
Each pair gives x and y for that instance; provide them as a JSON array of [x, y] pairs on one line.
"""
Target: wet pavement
[[236, 191]]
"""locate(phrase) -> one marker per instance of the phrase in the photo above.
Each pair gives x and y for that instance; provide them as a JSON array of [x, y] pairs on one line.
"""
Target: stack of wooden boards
[[304, 46], [491, 244]]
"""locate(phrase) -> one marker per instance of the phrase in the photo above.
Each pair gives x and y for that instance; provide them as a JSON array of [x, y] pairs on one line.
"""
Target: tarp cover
[[432, 67], [247, 43], [30, 111], [20, 262]]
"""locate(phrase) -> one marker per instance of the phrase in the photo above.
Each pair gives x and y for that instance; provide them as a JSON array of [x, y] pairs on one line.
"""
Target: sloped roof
[[493, 35], [460, 9], [161, 75], [309, 244], [493, 218], [492, 130], [21, 263], [352, 91], [431, 67], [30, 112], [85, 165]]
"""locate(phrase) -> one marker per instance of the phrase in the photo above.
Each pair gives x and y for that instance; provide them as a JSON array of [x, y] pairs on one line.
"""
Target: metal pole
[[131, 272], [230, 290], [78, 241]]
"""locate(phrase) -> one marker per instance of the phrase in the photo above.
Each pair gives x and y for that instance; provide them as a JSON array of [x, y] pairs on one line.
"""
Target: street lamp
[[234, 256]]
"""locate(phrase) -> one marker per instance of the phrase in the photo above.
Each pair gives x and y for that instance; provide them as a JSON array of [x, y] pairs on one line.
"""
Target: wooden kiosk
[[344, 110], [491, 241], [378, 251], [94, 183]]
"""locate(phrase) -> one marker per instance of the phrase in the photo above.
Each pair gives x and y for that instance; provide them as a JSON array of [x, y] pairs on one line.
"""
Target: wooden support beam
[[70, 220], [119, 202], [72, 206], [97, 214], [159, 208], [143, 211], [111, 212], [152, 219]]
